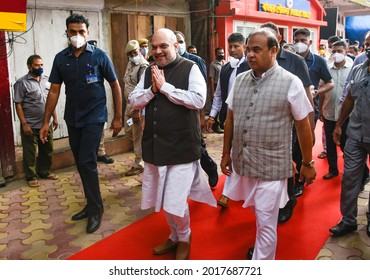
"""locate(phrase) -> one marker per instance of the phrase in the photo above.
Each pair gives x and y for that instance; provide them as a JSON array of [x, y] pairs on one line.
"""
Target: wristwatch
[[308, 164]]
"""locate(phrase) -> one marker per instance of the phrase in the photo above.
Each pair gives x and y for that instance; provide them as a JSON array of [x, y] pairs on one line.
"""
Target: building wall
[[45, 36], [135, 20], [46, 28]]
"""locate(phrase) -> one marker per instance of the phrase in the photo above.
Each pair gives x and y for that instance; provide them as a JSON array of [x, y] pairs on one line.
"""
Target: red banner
[[14, 6]]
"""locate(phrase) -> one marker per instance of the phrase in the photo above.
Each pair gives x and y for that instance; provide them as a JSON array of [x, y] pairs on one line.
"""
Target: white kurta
[[266, 197], [245, 188], [168, 187], [234, 185]]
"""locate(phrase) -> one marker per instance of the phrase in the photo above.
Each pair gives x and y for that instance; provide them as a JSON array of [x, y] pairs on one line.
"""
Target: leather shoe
[[218, 130], [105, 159], [183, 250], [368, 224], [93, 223], [298, 189], [286, 213], [83, 214], [322, 155], [250, 253], [223, 201], [213, 177], [342, 229], [330, 176], [165, 247]]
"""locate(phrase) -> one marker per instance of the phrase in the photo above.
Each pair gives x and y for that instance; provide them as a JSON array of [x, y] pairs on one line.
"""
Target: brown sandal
[[322, 155], [223, 201], [52, 176], [34, 183]]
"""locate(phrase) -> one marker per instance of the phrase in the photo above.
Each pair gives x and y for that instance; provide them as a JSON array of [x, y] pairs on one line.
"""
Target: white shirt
[[140, 97], [297, 97], [361, 58], [161, 187], [217, 99], [331, 105]]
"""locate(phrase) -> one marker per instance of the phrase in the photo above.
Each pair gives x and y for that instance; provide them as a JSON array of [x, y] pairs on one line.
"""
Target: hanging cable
[[13, 38]]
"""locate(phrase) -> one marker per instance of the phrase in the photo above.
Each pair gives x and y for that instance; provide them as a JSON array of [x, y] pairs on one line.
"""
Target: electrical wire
[[13, 38]]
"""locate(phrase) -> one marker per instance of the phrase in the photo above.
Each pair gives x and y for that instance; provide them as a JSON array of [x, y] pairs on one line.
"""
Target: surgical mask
[[134, 59], [322, 52], [300, 47], [144, 51], [37, 72], [233, 62], [338, 57], [78, 41], [181, 49], [220, 57]]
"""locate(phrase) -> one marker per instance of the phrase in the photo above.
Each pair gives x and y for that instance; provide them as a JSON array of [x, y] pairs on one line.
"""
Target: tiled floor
[[35, 223]]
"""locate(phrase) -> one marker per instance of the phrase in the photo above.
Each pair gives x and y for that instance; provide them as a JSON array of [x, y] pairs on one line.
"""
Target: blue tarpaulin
[[356, 28]]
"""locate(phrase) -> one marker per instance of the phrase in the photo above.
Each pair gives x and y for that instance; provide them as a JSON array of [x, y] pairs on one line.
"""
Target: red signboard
[[15, 6]]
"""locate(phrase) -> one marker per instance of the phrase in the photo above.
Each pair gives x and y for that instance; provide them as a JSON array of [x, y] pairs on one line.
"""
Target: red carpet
[[228, 234]]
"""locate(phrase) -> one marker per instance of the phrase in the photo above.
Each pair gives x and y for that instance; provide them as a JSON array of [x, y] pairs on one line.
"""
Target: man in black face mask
[[214, 72], [30, 93]]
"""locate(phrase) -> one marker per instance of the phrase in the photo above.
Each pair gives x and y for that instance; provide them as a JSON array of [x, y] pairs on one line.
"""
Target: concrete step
[[63, 156]]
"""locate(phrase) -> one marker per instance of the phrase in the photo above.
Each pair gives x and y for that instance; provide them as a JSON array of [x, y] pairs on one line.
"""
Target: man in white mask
[[318, 70], [144, 47], [237, 64], [329, 104], [83, 69], [132, 118]]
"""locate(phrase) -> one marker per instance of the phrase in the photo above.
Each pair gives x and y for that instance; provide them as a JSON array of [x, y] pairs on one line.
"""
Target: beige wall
[[46, 27]]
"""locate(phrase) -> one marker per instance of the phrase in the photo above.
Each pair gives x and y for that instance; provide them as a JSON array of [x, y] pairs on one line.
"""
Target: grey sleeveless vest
[[262, 125]]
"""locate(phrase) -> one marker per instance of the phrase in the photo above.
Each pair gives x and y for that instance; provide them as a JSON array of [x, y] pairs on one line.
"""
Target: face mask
[[144, 51], [322, 52], [37, 72], [78, 41], [134, 59], [233, 62], [300, 47], [181, 49], [338, 57], [220, 57]]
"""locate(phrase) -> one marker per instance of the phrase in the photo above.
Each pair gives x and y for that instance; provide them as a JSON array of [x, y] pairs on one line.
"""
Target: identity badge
[[91, 78]]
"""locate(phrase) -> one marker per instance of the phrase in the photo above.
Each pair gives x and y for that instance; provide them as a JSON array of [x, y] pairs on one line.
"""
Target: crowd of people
[[266, 100]]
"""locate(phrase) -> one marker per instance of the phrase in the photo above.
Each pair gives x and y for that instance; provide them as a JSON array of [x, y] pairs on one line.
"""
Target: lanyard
[[313, 62]]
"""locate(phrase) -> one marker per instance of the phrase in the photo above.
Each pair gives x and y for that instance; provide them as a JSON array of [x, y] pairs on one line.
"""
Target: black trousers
[[84, 144], [206, 161], [331, 147], [297, 158], [216, 124], [222, 115]]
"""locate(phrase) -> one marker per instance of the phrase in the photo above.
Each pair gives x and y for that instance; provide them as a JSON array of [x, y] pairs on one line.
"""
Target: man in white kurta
[[172, 92], [262, 105]]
